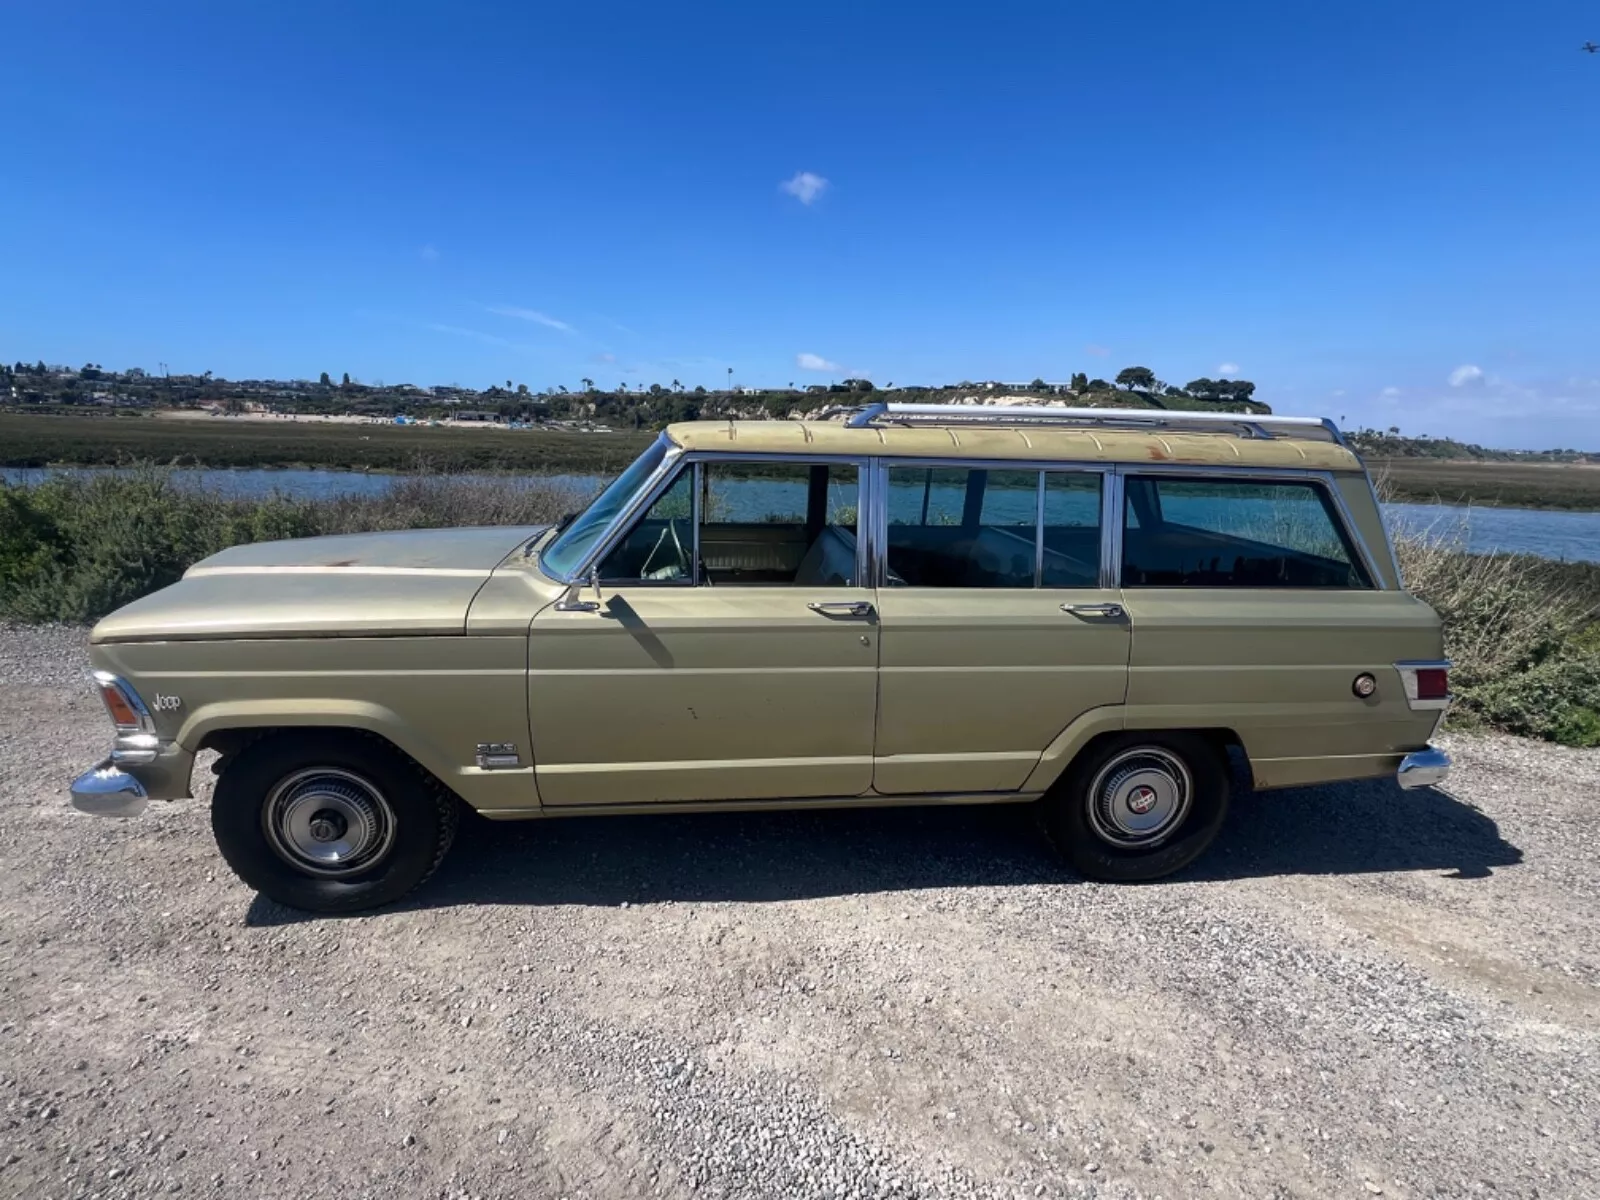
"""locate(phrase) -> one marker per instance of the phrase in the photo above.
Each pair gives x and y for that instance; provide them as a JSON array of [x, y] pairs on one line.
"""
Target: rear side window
[[1234, 533]]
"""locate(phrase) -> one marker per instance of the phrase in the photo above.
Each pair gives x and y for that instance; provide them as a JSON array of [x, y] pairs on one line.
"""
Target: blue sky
[[1384, 212]]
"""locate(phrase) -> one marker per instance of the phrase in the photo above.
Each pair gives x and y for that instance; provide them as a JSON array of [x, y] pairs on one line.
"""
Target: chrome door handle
[[841, 608], [1115, 611]]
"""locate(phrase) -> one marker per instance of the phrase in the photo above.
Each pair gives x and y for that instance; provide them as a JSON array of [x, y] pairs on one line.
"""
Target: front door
[[996, 631], [734, 653]]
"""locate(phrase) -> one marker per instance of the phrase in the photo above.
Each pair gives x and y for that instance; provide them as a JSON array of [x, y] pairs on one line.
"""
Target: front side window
[[660, 546], [779, 523], [1234, 533], [962, 527], [758, 524]]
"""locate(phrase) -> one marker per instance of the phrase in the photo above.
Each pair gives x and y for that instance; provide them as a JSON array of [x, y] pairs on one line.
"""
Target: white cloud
[[1097, 351], [429, 253], [1390, 392], [805, 186], [815, 362], [528, 314], [1228, 369], [1465, 374]]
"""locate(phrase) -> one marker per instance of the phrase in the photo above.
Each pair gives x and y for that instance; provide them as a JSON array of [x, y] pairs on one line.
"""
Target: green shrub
[[74, 548]]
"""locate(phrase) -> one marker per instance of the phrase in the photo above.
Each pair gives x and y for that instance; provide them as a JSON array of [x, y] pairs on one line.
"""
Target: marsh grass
[[74, 548]]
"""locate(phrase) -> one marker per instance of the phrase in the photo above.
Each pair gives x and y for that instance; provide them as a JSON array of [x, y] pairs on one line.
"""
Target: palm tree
[[676, 386], [588, 384]]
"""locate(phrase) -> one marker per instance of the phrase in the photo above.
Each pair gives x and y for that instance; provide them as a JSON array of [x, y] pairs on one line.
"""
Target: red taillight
[[1433, 683]]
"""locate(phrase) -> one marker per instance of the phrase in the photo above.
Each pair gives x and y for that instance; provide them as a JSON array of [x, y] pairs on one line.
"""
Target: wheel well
[[230, 742], [1227, 744]]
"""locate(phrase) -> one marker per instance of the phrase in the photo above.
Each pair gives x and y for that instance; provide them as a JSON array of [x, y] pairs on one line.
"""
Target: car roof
[[1026, 444]]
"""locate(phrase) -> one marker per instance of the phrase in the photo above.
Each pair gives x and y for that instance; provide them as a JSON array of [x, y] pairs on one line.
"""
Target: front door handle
[[1115, 611], [841, 608]]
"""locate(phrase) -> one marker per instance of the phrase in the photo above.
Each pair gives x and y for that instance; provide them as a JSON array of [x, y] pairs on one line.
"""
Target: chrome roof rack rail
[[1250, 425]]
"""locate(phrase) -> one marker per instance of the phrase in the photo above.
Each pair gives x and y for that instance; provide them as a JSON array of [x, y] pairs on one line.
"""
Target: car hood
[[418, 581]]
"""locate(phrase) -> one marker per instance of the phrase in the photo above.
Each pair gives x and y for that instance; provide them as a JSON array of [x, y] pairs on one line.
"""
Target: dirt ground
[[1359, 992]]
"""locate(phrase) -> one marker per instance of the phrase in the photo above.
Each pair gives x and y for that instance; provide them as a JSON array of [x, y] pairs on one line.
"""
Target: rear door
[[997, 627]]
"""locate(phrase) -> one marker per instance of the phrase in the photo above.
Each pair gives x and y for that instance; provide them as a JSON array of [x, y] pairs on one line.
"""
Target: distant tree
[[19, 369], [1098, 385], [1173, 391], [40, 369], [1243, 389], [1038, 385], [89, 371], [508, 385], [325, 381], [563, 388], [588, 384], [1141, 378], [676, 386], [1080, 382], [655, 389], [699, 389], [345, 382]]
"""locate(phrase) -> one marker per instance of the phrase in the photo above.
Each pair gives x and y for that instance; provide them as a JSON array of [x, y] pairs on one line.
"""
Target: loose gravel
[[1359, 992]]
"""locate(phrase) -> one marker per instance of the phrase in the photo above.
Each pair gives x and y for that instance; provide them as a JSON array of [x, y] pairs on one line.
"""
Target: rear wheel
[[1139, 806], [330, 822]]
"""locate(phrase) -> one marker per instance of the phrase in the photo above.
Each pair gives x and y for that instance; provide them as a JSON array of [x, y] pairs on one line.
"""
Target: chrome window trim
[[1038, 534], [1324, 479], [623, 521], [1111, 532]]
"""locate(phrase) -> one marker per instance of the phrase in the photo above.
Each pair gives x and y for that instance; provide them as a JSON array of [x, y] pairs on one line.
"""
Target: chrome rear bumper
[[108, 791], [1423, 768]]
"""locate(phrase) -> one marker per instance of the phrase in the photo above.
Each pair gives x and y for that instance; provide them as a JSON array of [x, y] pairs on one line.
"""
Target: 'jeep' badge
[[168, 703]]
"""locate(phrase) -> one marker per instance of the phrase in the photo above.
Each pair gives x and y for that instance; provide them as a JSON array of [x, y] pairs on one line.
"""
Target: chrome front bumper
[[109, 791], [1423, 768]]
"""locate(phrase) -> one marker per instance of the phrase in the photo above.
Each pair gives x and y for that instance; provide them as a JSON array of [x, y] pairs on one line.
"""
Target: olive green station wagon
[[1088, 610]]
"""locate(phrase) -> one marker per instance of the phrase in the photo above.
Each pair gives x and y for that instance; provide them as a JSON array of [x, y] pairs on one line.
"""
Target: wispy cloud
[[604, 358], [429, 253], [805, 187], [533, 315], [476, 335], [1465, 374], [1228, 369], [1390, 393], [815, 362], [1096, 350]]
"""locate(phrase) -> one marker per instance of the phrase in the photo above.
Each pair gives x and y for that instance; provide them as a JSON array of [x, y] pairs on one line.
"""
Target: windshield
[[564, 555]]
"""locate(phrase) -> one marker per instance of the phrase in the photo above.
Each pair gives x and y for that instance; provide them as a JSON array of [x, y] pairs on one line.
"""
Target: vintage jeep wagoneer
[[1082, 609]]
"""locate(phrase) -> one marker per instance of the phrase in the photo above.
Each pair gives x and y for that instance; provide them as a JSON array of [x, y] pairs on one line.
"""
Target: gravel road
[[1360, 992]]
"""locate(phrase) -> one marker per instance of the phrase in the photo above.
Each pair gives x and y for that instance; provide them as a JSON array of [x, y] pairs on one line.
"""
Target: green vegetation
[[1524, 633], [1522, 483], [28, 440], [75, 548]]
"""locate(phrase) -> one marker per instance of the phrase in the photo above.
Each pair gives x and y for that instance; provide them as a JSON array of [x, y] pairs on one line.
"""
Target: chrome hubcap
[[1140, 797], [325, 821]]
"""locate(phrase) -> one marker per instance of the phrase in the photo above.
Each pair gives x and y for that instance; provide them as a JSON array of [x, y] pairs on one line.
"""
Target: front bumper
[[109, 791], [1423, 768]]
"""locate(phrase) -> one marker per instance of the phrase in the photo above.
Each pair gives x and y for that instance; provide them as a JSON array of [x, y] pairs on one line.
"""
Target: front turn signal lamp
[[123, 705]]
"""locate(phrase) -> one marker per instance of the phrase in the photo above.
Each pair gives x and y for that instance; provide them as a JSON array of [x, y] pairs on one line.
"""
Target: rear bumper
[[108, 791], [1423, 768]]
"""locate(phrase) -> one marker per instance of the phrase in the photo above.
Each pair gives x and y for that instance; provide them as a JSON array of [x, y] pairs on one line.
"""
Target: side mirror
[[571, 602]]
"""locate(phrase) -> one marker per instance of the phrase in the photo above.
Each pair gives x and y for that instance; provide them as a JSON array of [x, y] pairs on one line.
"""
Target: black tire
[[406, 820], [1084, 813]]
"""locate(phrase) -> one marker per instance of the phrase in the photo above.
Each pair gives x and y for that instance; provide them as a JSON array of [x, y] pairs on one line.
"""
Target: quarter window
[[1234, 533]]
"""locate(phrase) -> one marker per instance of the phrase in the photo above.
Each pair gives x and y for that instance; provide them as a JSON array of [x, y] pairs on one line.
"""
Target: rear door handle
[[1115, 611], [841, 608]]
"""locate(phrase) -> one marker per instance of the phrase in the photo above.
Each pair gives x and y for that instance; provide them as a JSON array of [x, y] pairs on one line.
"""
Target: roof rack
[[1250, 425]]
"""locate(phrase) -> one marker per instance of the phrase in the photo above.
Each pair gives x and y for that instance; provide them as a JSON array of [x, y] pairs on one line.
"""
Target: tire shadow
[[1351, 828]]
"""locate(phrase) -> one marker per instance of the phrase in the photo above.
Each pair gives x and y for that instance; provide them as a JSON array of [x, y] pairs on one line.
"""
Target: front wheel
[[1139, 806], [330, 822]]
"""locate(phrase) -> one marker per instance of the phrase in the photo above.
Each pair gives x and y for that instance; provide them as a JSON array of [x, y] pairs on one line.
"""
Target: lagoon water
[[1571, 536]]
